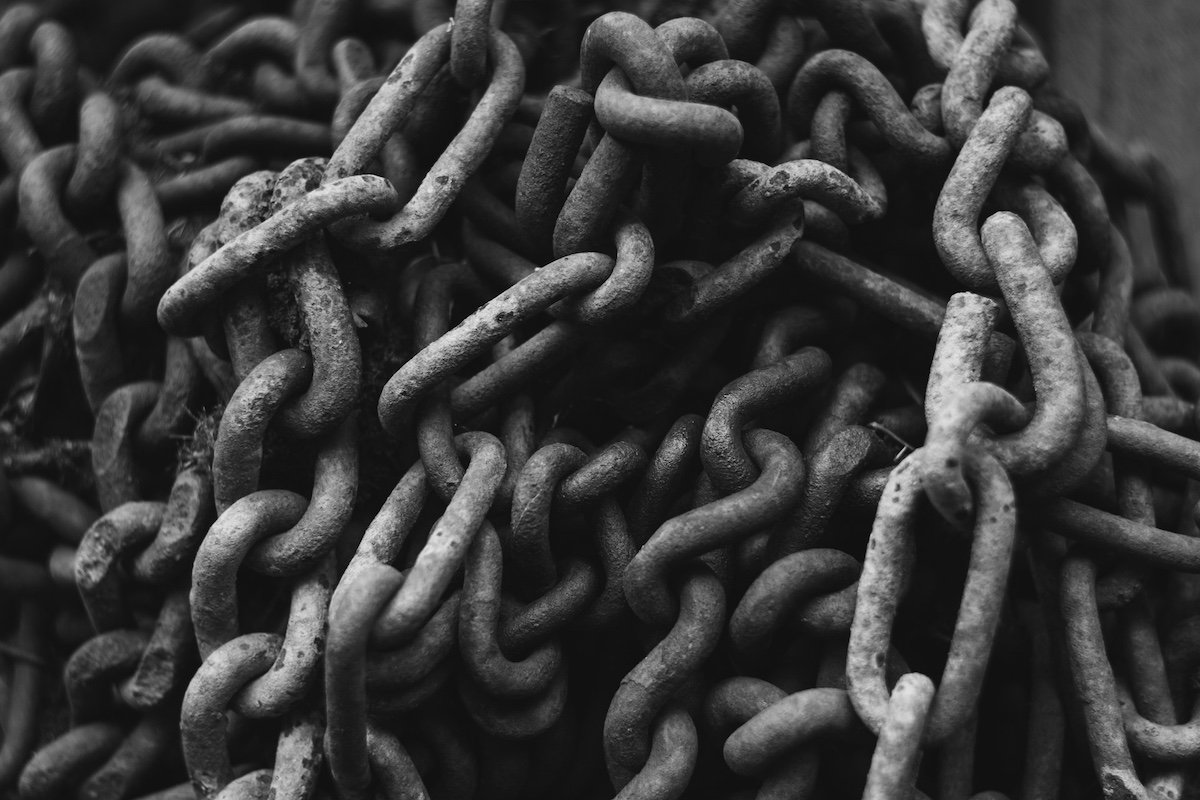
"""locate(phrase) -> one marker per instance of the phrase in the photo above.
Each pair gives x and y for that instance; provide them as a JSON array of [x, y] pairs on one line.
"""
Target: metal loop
[[887, 562], [717, 523], [468, 41], [460, 159], [645, 691], [181, 304], [851, 73], [324, 320], [202, 718], [722, 449], [487, 326], [109, 539]]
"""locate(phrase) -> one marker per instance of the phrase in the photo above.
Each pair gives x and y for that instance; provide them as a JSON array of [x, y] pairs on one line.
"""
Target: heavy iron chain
[[547, 399]]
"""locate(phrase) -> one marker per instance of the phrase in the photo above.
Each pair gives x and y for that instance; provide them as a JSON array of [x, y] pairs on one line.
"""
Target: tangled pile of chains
[[545, 399]]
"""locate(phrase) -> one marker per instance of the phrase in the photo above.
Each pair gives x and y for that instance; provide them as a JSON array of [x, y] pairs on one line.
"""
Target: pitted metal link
[[884, 572]]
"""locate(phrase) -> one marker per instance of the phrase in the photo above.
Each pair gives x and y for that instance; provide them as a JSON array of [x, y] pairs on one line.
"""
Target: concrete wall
[[1135, 67]]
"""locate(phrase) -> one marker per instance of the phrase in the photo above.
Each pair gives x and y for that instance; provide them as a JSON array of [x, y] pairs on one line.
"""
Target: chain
[[646, 400]]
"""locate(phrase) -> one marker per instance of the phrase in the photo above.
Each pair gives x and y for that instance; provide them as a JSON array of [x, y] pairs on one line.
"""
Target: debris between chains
[[771, 399]]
